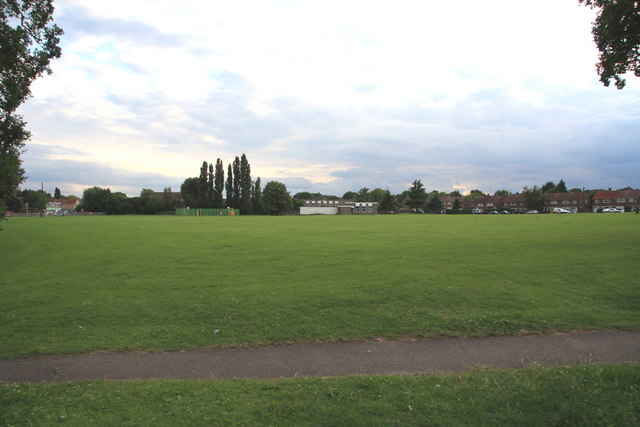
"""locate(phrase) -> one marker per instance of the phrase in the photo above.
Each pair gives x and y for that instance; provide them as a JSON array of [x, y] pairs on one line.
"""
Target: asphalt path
[[405, 357]]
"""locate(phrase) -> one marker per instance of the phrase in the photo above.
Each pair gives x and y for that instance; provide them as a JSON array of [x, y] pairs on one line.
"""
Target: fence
[[207, 212], [36, 214]]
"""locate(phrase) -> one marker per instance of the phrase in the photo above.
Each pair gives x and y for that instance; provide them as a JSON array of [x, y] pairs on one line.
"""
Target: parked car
[[493, 212], [560, 210], [611, 210], [505, 212], [532, 211]]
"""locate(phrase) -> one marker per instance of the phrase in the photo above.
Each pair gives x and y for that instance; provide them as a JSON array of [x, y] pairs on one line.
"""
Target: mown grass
[[78, 284], [578, 396]]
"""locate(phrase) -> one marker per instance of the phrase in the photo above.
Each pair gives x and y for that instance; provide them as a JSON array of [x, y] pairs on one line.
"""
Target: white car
[[561, 210], [611, 210]]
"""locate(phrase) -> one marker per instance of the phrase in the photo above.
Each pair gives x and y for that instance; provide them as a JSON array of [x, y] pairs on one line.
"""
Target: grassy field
[[78, 284], [573, 396]]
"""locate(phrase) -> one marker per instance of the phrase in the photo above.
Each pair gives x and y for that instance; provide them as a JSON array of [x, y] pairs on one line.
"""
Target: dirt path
[[425, 356]]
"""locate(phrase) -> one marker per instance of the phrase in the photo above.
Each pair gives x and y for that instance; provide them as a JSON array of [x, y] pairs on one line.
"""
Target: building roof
[[449, 199], [71, 200], [574, 195], [514, 198], [617, 194]]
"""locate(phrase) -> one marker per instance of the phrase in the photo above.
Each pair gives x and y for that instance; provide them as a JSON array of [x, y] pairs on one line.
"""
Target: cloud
[[327, 98], [72, 177], [80, 22]]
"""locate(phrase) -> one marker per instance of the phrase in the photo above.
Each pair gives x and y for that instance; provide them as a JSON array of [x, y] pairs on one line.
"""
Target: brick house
[[485, 204], [514, 203], [449, 201], [571, 201], [625, 200]]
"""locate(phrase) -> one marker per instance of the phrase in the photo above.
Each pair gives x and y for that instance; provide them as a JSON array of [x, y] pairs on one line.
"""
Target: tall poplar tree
[[229, 187], [218, 185], [246, 206], [256, 197], [236, 183], [202, 186], [210, 187]]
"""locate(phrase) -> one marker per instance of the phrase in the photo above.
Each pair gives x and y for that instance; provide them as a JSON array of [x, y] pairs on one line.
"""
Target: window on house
[[565, 202], [620, 200], [554, 202], [606, 201]]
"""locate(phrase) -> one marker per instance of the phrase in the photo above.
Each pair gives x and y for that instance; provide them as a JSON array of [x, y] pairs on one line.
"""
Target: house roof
[[574, 195], [486, 199], [514, 198], [449, 199], [66, 201], [617, 194]]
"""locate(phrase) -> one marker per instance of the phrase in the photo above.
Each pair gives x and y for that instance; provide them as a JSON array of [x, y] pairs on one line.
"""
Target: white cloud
[[335, 95]]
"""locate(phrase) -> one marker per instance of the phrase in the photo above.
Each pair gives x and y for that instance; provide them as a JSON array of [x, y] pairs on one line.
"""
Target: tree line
[[208, 190], [243, 193], [237, 191], [418, 199]]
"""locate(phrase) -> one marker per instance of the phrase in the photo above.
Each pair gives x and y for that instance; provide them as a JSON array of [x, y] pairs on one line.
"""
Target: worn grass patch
[[78, 284], [579, 396]]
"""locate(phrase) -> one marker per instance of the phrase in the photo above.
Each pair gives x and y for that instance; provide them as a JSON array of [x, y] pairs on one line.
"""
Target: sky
[[330, 96]]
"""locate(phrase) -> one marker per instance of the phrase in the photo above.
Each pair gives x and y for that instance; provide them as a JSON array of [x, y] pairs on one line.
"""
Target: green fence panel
[[207, 212]]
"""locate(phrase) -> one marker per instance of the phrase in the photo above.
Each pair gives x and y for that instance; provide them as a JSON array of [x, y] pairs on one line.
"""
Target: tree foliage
[[388, 203], [417, 195], [256, 197], [276, 199], [548, 187], [149, 202], [245, 203], [28, 42], [218, 185], [616, 32], [350, 195], [37, 199], [533, 198], [168, 202], [229, 188], [561, 187], [236, 183], [434, 203], [98, 199], [189, 190], [203, 186]]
